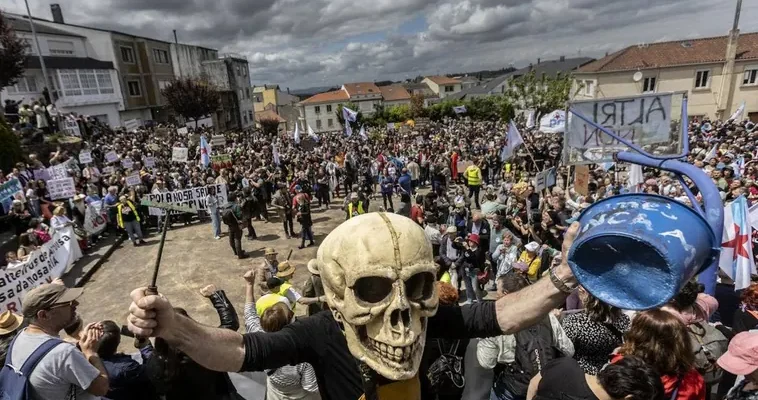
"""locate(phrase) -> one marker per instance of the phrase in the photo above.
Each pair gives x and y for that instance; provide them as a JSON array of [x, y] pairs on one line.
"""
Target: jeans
[[472, 285], [387, 197], [307, 233], [492, 175], [216, 222], [133, 229], [289, 229]]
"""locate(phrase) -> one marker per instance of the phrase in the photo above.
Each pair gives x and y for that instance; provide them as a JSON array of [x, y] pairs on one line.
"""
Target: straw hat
[[286, 270], [9, 322], [313, 267], [270, 252]]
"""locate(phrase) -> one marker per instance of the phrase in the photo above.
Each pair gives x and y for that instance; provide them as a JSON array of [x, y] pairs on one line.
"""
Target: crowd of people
[[494, 234]]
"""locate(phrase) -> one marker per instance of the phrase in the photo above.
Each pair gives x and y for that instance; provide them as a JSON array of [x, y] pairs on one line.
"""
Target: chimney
[[57, 13], [538, 61], [563, 58]]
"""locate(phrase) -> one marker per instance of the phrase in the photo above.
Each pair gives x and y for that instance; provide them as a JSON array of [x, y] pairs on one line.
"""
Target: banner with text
[[61, 188], [94, 218], [9, 191], [193, 198]]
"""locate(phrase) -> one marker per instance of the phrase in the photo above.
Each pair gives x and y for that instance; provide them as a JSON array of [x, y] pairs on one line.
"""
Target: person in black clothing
[[302, 208], [126, 377], [320, 340], [232, 217], [249, 209], [178, 377]]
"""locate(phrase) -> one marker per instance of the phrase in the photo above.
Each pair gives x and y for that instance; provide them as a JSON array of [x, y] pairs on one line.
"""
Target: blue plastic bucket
[[635, 251]]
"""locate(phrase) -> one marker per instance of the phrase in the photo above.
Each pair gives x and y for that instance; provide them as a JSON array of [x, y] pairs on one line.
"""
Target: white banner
[[179, 154], [133, 179], [85, 157], [555, 122], [149, 162], [43, 266], [94, 218], [61, 188], [111, 156], [193, 197]]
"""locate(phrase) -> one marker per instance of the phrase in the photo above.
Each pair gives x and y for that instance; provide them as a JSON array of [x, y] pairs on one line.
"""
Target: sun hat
[[285, 270], [9, 322], [532, 246], [742, 356], [313, 266], [270, 252]]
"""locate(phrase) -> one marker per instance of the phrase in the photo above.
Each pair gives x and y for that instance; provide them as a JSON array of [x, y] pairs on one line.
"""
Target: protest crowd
[[492, 199]]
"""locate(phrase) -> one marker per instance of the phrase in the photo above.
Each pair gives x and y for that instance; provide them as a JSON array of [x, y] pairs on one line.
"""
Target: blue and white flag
[[736, 248], [275, 152], [205, 152], [363, 133], [459, 109], [607, 165], [312, 134], [297, 133], [738, 114], [349, 116], [530, 120], [513, 140], [712, 153]]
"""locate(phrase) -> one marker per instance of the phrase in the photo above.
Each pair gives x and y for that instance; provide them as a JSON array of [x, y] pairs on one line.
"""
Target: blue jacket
[[405, 183], [388, 185], [127, 378]]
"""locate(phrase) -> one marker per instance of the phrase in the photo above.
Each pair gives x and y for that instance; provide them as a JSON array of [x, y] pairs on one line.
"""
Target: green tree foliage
[[10, 148], [478, 108], [540, 93], [270, 126], [417, 106], [12, 54], [193, 99]]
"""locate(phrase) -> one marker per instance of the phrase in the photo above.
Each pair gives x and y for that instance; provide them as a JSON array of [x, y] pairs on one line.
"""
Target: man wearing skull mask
[[383, 305]]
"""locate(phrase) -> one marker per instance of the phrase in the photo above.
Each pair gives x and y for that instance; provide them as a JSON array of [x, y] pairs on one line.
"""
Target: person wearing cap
[[451, 254], [354, 207], [530, 260], [313, 288], [472, 265], [49, 308], [128, 220], [741, 359]]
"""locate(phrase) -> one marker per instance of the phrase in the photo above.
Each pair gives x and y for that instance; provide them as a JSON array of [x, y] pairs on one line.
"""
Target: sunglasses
[[66, 304]]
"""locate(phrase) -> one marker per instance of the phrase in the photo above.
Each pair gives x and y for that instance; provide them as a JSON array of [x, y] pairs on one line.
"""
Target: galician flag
[[349, 116], [513, 140], [205, 152], [530, 120], [736, 248], [297, 133], [738, 114], [363, 133], [312, 134]]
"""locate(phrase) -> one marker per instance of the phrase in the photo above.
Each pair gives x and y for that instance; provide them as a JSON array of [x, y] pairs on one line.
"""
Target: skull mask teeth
[[379, 279]]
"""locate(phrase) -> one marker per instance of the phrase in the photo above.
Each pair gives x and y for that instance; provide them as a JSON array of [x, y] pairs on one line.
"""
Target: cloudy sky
[[306, 43]]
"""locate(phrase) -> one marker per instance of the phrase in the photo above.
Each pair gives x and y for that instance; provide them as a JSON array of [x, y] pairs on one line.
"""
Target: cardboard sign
[[72, 127], [61, 188], [132, 124], [85, 157], [109, 170], [582, 179], [179, 154], [133, 179], [149, 162], [111, 156], [161, 132], [57, 172]]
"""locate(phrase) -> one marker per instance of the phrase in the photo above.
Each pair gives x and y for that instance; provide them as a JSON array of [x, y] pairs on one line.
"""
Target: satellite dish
[[637, 76]]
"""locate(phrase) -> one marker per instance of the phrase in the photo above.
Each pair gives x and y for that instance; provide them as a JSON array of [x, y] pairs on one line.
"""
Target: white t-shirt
[[60, 368]]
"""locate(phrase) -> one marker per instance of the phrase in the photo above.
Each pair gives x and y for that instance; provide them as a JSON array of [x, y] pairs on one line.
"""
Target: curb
[[88, 274]]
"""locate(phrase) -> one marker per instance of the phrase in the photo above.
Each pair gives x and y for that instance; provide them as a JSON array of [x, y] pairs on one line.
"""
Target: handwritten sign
[[61, 188], [72, 127], [582, 179], [85, 157], [132, 125], [641, 120], [57, 172], [133, 179], [127, 163], [544, 179], [179, 154], [108, 170], [150, 162], [111, 156]]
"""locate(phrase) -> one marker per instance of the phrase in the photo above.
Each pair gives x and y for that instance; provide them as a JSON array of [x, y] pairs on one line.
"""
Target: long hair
[[600, 311], [660, 338]]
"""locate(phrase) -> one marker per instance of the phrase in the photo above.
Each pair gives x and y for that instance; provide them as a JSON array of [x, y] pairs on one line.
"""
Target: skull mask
[[378, 274]]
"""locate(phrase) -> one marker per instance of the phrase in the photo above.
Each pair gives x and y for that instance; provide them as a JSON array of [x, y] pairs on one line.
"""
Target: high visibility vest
[[474, 176], [118, 212], [350, 209], [266, 301], [445, 277], [283, 292]]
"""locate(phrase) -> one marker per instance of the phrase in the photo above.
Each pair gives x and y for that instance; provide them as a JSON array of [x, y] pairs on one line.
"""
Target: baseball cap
[[45, 296], [742, 356]]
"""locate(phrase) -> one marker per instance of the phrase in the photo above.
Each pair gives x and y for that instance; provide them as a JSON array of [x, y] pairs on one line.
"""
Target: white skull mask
[[379, 278]]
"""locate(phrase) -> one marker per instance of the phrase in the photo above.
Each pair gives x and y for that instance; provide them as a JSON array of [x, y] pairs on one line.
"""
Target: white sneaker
[[217, 237]]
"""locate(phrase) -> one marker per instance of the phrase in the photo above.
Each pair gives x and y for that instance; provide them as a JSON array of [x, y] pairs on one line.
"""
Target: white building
[[81, 79], [319, 111]]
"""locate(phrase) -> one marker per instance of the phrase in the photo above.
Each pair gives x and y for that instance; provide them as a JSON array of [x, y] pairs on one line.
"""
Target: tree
[[270, 126], [417, 105], [542, 94], [10, 148], [192, 99], [12, 54]]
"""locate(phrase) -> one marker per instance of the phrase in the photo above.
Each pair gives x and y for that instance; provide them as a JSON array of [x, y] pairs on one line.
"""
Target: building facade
[[187, 60], [443, 86], [699, 67], [231, 76], [319, 111]]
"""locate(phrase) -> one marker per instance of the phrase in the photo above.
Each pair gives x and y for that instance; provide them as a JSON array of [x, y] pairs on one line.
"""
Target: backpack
[[534, 349], [14, 382], [445, 374], [227, 217], [708, 344]]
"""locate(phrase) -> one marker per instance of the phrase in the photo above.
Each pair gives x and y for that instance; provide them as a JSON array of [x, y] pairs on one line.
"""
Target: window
[[60, 48], [239, 72], [244, 118], [589, 88], [318, 124], [250, 114], [88, 82], [648, 85], [317, 109], [82, 82], [70, 82], [160, 56], [751, 76], [127, 55], [449, 89], [329, 108], [104, 81], [25, 84], [702, 79], [134, 88], [329, 122]]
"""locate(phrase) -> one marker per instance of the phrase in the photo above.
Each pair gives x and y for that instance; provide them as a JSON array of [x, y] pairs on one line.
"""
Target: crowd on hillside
[[491, 230]]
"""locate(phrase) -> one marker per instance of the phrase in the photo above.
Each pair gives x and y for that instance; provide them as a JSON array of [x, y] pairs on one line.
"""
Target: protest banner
[[85, 157], [555, 122], [133, 179], [220, 161], [182, 131], [95, 219], [72, 127], [218, 141], [544, 180], [61, 188], [193, 198], [43, 266], [179, 154], [642, 120], [582, 179], [9, 191], [149, 162], [132, 124], [109, 170], [111, 156], [57, 172], [127, 163]]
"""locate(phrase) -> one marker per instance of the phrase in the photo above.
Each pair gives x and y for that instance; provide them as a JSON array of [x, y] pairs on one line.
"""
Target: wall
[[79, 46], [110, 110], [308, 113], [270, 96], [187, 60], [746, 93], [433, 86], [217, 74], [397, 103], [442, 93], [98, 44]]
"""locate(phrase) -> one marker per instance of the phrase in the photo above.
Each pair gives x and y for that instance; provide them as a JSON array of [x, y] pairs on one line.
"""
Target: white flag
[[312, 134], [363, 133], [530, 120], [513, 140], [738, 114], [297, 133]]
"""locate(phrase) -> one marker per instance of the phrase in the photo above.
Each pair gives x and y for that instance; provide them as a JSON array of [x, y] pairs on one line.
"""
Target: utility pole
[[726, 92], [39, 50], [178, 62]]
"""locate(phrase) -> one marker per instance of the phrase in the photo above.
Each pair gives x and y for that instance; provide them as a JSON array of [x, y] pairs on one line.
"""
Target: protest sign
[[9, 191], [544, 180], [41, 174], [220, 161], [182, 131], [94, 218], [132, 124], [111, 156], [133, 179], [642, 120], [218, 141], [72, 127], [555, 122], [57, 172], [127, 163], [582, 179], [179, 154], [61, 188], [108, 170], [192, 198], [43, 266], [149, 162], [85, 157]]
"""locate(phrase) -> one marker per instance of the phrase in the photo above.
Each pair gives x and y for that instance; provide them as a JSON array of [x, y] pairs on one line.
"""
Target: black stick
[[153, 288]]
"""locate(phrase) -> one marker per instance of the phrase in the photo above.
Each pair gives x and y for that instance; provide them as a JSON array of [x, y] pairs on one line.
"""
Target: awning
[[53, 62]]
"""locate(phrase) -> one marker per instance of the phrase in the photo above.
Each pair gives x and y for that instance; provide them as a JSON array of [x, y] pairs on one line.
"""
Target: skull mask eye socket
[[372, 289], [420, 286]]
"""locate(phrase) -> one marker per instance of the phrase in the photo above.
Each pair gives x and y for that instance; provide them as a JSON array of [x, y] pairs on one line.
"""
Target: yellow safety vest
[[283, 292], [350, 209], [118, 212], [474, 175], [266, 301], [445, 277]]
